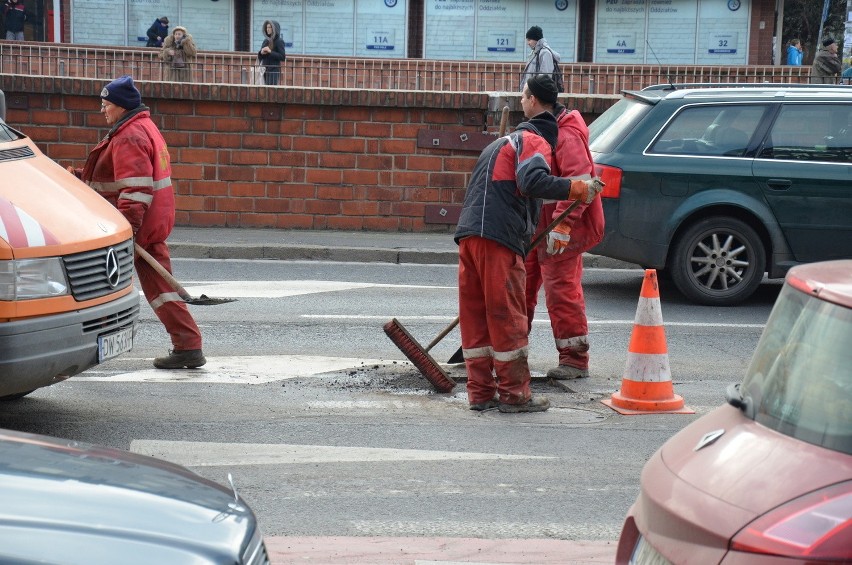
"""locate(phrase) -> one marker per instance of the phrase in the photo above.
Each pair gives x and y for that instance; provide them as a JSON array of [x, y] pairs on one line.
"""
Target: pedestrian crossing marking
[[214, 454], [241, 369]]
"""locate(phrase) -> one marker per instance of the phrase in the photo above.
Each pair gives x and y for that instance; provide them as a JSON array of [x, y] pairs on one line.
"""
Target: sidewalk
[[330, 245]]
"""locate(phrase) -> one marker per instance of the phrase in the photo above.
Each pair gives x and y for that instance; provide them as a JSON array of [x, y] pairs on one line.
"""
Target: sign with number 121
[[501, 41]]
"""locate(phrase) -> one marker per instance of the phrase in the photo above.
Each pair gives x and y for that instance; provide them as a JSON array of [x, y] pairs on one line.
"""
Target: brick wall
[[247, 156]]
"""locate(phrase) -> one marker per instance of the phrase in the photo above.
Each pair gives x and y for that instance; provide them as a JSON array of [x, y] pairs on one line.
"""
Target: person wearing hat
[[542, 58], [131, 168], [158, 31], [558, 266], [178, 55], [827, 65], [497, 220]]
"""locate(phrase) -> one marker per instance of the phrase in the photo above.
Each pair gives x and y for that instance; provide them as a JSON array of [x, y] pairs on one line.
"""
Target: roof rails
[[689, 85]]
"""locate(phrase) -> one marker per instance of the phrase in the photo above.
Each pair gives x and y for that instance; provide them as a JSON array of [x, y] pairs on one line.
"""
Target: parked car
[[74, 503], [767, 477], [67, 300], [716, 186]]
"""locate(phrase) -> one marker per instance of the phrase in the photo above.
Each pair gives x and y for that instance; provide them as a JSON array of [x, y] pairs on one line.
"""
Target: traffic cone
[[646, 387]]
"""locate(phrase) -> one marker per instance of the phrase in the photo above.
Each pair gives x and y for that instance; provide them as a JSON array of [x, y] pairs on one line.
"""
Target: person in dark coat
[[15, 15], [158, 31], [272, 52]]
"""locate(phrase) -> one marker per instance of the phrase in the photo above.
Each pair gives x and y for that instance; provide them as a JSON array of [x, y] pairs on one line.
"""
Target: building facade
[[670, 32]]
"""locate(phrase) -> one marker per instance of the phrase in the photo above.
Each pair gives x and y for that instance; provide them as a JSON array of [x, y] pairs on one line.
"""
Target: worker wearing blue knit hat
[[131, 168]]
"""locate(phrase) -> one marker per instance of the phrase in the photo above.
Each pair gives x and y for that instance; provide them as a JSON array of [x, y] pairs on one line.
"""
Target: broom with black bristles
[[419, 356]]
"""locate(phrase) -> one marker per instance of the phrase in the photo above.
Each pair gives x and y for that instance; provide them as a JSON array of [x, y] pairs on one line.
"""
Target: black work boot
[[534, 404], [191, 359], [487, 405]]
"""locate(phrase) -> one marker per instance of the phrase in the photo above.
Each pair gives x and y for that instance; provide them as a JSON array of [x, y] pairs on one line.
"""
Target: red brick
[[323, 177], [226, 140], [276, 174], [448, 180], [410, 179], [356, 114], [258, 220], [212, 108], [232, 124], [252, 141], [357, 176], [197, 155], [295, 221], [378, 162], [424, 163], [346, 145], [43, 135], [249, 157], [403, 146], [209, 188], [272, 205], [322, 206], [243, 189], [48, 117], [337, 160], [359, 208], [349, 223], [334, 192], [210, 219], [190, 203], [372, 129], [187, 171], [381, 224], [235, 204], [322, 128], [310, 144], [62, 151], [194, 123], [236, 173]]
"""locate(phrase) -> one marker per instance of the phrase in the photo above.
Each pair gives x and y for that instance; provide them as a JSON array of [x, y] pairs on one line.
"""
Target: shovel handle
[[169, 278], [443, 334]]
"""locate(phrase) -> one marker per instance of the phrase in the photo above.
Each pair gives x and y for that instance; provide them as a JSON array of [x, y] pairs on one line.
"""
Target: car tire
[[704, 269]]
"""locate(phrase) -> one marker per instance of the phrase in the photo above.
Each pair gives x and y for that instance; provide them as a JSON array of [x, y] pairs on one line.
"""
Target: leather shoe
[[190, 359]]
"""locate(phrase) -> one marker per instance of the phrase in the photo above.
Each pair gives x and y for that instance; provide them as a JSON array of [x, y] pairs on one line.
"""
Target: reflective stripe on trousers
[[493, 321]]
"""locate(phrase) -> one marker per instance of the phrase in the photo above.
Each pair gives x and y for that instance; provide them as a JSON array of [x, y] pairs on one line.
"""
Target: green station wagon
[[716, 186]]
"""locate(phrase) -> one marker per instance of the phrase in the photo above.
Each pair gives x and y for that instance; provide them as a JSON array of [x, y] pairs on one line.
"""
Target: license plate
[[114, 344], [645, 554]]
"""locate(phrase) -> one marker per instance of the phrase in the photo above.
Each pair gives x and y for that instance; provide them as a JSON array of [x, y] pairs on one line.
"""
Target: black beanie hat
[[535, 33], [543, 88], [122, 92], [827, 42]]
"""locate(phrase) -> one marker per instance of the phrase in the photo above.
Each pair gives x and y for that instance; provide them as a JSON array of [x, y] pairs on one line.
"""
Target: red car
[[767, 477]]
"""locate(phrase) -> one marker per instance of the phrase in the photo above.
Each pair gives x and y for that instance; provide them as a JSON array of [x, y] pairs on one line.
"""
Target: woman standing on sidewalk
[[272, 52]]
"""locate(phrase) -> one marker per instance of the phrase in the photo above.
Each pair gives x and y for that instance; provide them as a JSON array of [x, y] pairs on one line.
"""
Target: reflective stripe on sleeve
[[137, 197]]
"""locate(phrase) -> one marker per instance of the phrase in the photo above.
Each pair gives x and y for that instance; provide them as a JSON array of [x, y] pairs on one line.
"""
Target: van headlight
[[25, 279]]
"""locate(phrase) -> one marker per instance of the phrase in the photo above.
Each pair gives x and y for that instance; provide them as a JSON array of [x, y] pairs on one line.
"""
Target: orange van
[[67, 300]]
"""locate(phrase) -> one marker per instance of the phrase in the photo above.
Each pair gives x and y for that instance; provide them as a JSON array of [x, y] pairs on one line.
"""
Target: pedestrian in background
[[827, 65], [794, 52], [542, 59], [178, 55], [498, 217], [158, 31], [15, 15], [272, 52], [559, 265], [131, 168]]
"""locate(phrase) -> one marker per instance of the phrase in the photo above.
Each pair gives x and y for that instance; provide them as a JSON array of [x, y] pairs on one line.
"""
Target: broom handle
[[163, 272], [504, 125]]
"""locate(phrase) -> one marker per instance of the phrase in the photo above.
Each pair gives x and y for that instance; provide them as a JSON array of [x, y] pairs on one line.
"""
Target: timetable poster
[[381, 28], [288, 13], [620, 33], [723, 33], [558, 21], [499, 32], [671, 32], [450, 29], [330, 27]]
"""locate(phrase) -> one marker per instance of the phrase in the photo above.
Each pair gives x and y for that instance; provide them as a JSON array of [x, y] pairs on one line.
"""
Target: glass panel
[[811, 132], [799, 381], [723, 131], [610, 127]]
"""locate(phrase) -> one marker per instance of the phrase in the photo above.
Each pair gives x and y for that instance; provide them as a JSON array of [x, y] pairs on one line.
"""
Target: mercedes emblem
[[113, 271]]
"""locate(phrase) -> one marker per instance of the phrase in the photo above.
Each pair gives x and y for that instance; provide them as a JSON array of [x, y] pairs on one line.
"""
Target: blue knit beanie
[[122, 92]]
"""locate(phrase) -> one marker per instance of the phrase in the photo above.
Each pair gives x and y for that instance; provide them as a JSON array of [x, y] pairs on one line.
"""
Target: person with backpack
[[543, 60]]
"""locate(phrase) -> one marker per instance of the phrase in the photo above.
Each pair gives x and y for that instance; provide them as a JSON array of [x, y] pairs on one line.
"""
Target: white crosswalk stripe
[[241, 369]]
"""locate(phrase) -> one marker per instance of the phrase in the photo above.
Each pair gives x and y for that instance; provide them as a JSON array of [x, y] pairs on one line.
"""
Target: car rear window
[[610, 127], [799, 382], [710, 130]]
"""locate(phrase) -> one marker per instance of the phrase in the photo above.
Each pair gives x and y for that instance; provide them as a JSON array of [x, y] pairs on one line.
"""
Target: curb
[[187, 250]]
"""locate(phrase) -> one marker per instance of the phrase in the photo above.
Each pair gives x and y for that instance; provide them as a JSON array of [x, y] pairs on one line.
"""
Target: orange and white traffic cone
[[646, 387]]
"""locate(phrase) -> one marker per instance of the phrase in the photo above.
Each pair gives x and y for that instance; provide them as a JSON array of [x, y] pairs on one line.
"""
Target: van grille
[[106, 324], [88, 271], [16, 153]]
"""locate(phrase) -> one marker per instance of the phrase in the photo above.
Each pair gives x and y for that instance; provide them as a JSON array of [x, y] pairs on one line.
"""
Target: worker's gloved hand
[[586, 190], [557, 240]]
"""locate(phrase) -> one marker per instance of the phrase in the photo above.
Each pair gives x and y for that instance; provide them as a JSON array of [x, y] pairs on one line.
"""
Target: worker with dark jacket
[[498, 218], [131, 168]]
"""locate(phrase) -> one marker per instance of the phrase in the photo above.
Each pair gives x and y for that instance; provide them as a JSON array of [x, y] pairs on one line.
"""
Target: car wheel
[[718, 261], [15, 396]]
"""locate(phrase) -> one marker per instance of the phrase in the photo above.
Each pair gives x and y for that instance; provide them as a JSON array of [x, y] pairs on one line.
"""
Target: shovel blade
[[205, 300], [458, 357]]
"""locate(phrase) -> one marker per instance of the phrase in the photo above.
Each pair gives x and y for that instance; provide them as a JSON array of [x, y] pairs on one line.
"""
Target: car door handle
[[779, 184]]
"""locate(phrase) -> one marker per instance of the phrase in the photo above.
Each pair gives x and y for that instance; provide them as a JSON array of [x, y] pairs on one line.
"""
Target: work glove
[[558, 238], [585, 190]]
